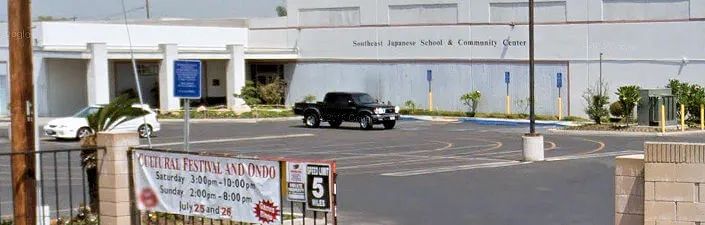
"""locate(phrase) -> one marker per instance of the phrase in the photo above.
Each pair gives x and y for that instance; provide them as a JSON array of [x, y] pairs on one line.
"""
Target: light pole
[[532, 142], [532, 113], [147, 8], [600, 74]]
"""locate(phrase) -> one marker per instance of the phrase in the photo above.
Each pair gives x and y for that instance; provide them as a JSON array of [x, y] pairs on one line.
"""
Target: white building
[[383, 47]]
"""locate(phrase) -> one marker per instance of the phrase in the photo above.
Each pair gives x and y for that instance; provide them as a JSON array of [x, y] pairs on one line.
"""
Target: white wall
[[115, 35], [215, 69], [66, 82], [377, 12]]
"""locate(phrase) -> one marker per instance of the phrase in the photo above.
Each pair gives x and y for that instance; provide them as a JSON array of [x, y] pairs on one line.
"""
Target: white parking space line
[[233, 139], [447, 146], [360, 149], [423, 159], [453, 168], [594, 155]]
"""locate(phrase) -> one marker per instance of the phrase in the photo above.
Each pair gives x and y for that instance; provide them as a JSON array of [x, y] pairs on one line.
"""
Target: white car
[[76, 126]]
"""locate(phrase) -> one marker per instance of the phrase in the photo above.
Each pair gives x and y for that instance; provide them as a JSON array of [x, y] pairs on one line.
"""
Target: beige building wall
[[629, 190], [674, 183], [666, 185]]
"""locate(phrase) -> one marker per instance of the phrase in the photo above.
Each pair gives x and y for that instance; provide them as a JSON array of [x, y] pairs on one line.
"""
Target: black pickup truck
[[339, 107]]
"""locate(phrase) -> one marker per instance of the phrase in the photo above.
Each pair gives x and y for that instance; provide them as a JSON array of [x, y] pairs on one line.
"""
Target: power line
[[109, 16]]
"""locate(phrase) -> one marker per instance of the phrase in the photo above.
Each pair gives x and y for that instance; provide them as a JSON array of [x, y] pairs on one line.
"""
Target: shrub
[[272, 93], [471, 100], [617, 109], [310, 98], [690, 95], [629, 97], [410, 104], [523, 104], [596, 104], [249, 93]]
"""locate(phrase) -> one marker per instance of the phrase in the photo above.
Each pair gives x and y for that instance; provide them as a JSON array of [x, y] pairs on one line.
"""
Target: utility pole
[[22, 108], [147, 8], [532, 99]]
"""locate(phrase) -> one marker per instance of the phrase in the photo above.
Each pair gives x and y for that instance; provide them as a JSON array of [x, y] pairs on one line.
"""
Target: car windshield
[[84, 113], [363, 99]]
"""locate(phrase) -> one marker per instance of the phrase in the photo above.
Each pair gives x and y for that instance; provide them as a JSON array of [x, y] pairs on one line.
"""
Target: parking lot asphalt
[[433, 172]]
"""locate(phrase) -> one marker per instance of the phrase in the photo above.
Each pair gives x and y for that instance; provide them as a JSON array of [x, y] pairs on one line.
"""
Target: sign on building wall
[[242, 190]]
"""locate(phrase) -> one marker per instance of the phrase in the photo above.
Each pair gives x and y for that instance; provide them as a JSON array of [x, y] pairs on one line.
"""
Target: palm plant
[[106, 118], [629, 97], [471, 100]]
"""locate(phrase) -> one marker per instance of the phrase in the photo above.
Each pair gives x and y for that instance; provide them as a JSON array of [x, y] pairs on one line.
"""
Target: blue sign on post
[[559, 80], [506, 77], [187, 79], [429, 75]]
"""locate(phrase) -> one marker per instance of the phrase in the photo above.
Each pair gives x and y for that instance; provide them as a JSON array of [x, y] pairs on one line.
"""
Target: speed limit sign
[[318, 187]]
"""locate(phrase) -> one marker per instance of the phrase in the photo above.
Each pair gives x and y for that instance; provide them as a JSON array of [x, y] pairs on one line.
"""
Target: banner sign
[[244, 190], [318, 187]]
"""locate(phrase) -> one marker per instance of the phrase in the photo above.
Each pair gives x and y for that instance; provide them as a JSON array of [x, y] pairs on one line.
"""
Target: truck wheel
[[366, 122], [312, 120], [335, 123], [389, 124]]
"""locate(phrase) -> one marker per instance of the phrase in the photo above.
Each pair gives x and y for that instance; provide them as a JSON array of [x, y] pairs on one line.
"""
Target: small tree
[[281, 11], [249, 93], [471, 100], [523, 104], [629, 97], [410, 104], [118, 111], [596, 101]]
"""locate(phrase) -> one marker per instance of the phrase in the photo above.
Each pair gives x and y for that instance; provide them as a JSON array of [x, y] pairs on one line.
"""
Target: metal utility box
[[648, 110]]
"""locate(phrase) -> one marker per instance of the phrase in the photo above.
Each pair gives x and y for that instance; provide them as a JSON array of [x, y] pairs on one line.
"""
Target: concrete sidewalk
[[488, 121]]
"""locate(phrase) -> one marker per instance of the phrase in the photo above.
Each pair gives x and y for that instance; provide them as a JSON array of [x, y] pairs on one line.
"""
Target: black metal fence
[[293, 213], [63, 190]]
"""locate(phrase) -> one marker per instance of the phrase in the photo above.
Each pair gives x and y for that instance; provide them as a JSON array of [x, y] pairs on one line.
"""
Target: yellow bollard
[[663, 119], [702, 117], [560, 108], [430, 101], [682, 117], [509, 105]]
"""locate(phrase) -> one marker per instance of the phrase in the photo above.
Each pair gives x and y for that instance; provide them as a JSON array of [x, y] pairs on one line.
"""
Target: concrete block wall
[[629, 190], [674, 183]]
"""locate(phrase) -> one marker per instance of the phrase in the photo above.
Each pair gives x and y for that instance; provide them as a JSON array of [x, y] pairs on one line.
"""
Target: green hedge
[[212, 114], [423, 112]]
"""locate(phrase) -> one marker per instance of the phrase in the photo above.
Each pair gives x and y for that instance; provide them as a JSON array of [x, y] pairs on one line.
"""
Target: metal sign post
[[429, 77], [509, 98], [187, 85], [559, 85]]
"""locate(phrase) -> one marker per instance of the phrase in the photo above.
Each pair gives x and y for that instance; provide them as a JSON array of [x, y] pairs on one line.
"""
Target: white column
[[167, 101], [98, 84], [235, 78]]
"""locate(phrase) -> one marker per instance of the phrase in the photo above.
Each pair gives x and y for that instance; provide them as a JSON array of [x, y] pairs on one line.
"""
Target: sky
[[112, 9]]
